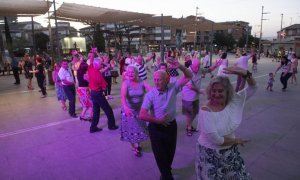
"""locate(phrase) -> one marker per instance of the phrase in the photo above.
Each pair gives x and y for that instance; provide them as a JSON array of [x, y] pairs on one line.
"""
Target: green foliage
[[224, 40], [7, 34], [253, 41], [20, 43], [41, 40], [99, 41]]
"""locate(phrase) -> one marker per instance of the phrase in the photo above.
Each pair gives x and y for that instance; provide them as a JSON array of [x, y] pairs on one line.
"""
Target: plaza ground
[[40, 141]]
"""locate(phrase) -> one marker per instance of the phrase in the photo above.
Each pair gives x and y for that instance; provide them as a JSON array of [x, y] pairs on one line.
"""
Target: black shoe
[[113, 127], [95, 130], [74, 116], [16, 83], [83, 119]]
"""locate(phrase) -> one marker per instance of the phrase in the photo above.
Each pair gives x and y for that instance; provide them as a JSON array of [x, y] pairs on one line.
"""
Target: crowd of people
[[149, 112]]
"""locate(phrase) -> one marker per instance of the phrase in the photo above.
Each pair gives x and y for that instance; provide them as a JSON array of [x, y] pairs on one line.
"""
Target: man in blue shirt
[[159, 109]]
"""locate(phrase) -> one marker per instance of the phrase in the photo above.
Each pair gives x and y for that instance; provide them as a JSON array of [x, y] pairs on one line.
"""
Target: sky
[[216, 10]]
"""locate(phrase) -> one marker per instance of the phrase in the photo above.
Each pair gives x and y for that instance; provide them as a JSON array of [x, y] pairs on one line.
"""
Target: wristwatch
[[247, 75]]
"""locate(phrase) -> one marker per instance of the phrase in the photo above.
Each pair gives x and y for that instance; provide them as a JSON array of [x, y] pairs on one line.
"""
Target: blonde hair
[[225, 82], [135, 69]]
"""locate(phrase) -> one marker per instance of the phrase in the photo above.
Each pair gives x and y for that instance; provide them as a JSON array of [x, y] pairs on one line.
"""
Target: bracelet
[[247, 75]]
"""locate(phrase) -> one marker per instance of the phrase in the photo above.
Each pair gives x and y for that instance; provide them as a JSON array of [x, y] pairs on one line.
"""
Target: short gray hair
[[97, 60], [135, 69], [225, 82]]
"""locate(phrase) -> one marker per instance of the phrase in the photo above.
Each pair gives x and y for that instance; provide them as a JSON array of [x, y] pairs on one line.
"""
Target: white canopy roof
[[91, 14], [23, 7]]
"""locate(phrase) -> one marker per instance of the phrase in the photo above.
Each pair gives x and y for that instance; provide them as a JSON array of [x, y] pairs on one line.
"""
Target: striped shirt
[[142, 71]]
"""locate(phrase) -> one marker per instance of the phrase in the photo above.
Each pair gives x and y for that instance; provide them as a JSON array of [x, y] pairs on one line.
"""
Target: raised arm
[[187, 74], [244, 73]]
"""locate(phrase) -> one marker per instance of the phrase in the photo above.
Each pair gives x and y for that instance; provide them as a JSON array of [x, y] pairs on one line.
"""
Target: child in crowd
[[270, 82]]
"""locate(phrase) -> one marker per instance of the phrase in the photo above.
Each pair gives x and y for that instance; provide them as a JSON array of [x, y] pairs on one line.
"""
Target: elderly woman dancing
[[133, 90], [217, 151]]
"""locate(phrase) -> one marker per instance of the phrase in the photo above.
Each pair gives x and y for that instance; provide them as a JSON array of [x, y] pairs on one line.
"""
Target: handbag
[[114, 73]]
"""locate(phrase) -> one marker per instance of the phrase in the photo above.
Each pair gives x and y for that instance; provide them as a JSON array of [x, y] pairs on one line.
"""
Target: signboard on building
[[70, 43]]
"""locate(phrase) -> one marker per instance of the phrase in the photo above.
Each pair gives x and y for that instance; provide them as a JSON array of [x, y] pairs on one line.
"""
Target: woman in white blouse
[[217, 151]]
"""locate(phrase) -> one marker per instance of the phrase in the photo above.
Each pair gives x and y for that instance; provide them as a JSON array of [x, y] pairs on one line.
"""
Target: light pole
[[280, 34], [260, 34], [195, 35]]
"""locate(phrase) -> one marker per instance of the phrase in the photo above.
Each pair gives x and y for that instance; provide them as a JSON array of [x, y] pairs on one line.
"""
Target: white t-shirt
[[242, 62], [214, 126], [65, 75], [129, 60], [189, 94], [206, 61]]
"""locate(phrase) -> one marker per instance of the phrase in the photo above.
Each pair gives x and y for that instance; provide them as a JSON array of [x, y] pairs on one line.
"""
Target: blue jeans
[[99, 101]]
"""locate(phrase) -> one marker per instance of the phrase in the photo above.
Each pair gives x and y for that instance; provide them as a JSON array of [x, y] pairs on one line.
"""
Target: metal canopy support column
[[162, 43], [56, 32], [32, 32]]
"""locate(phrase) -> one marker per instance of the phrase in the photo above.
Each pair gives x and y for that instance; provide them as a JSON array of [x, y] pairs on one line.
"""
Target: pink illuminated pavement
[[40, 141]]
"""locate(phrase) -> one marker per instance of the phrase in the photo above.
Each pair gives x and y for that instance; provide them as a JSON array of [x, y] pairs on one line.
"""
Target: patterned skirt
[[84, 95], [133, 129], [220, 164], [61, 96]]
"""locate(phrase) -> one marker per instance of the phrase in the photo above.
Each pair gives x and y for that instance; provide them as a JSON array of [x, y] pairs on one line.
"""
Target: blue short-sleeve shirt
[[161, 103]]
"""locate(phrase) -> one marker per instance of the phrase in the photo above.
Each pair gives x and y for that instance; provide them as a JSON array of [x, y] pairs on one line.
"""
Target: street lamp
[[195, 35], [260, 34], [280, 34]]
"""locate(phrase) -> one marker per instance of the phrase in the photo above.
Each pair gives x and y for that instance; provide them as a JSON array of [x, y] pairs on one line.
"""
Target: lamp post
[[195, 35], [260, 34], [280, 34]]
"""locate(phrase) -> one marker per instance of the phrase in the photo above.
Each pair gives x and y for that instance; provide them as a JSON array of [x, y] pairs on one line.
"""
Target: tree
[[230, 42], [253, 41], [41, 40], [99, 41], [224, 40], [7, 34]]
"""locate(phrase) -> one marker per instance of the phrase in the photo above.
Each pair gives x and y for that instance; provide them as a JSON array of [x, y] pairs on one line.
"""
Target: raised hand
[[235, 70], [173, 63]]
